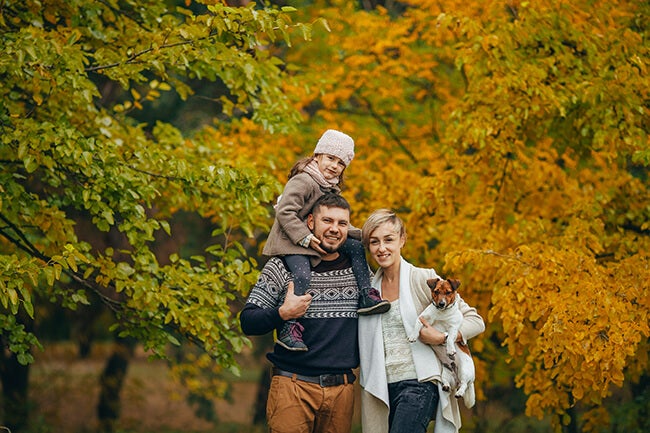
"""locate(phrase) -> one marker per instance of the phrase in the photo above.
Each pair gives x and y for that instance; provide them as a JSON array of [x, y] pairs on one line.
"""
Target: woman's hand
[[430, 335]]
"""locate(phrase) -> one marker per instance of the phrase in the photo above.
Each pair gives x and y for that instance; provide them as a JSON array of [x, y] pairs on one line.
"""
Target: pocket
[[284, 412]]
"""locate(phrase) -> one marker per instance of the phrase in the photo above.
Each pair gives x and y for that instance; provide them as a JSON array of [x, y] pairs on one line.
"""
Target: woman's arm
[[473, 323]]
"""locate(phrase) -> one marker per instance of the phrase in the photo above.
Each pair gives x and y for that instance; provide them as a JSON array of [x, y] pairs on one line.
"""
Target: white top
[[397, 349]]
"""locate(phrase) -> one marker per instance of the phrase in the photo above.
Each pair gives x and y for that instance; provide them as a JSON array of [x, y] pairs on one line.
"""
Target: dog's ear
[[455, 284], [431, 282]]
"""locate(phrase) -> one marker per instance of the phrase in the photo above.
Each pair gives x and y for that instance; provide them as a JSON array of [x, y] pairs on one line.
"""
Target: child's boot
[[371, 303], [290, 336]]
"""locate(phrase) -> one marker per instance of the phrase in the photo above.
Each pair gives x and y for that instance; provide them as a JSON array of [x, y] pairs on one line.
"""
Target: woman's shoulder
[[419, 272]]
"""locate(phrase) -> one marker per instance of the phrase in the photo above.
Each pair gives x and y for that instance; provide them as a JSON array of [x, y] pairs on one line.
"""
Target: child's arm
[[295, 197]]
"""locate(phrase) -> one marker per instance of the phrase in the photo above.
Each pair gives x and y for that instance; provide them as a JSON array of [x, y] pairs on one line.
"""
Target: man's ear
[[310, 222]]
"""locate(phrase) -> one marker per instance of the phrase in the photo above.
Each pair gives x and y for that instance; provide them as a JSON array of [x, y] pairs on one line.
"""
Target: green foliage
[[76, 168]]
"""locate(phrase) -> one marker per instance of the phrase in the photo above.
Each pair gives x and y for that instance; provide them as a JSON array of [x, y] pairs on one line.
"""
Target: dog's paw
[[412, 339]]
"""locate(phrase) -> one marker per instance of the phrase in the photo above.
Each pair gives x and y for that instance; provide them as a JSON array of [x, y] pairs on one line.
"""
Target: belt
[[323, 380]]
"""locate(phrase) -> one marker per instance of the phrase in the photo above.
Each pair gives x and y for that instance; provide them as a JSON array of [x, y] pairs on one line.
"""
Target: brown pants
[[295, 406]]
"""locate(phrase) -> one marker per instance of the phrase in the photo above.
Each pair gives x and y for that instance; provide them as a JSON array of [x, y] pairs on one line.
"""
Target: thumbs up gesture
[[294, 306]]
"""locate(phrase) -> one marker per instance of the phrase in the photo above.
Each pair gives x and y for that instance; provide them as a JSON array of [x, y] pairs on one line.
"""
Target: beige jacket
[[290, 226], [414, 296]]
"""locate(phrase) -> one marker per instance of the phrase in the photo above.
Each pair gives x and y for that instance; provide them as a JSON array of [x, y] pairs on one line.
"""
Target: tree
[[513, 139], [69, 154]]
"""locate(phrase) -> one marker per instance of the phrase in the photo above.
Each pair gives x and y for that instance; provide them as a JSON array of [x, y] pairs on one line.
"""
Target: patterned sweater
[[330, 322]]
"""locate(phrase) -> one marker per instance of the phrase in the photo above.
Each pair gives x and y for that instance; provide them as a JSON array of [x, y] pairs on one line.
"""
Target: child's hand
[[314, 244]]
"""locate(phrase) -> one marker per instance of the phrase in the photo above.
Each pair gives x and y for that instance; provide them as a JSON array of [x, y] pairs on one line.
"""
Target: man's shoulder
[[275, 264]]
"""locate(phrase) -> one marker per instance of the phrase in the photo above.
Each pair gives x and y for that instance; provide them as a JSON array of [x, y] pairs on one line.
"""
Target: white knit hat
[[336, 143]]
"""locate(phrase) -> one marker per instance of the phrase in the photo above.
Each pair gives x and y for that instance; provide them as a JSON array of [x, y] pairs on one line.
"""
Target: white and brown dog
[[443, 313]]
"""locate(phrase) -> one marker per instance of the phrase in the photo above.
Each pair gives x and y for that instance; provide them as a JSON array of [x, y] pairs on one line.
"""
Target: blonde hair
[[378, 218]]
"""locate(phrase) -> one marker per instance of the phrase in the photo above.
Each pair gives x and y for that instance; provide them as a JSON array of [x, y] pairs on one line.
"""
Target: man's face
[[330, 225]]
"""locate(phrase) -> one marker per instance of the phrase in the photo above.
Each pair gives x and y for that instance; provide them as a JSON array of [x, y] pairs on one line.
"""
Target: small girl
[[290, 237]]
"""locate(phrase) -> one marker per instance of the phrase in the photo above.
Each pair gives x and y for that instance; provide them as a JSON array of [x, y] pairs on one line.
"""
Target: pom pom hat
[[336, 143]]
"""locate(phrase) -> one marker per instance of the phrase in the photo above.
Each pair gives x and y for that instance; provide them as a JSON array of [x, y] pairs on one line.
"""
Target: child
[[290, 237]]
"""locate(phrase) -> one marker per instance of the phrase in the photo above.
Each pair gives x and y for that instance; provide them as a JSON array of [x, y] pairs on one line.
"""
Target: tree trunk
[[259, 414], [15, 380], [111, 381]]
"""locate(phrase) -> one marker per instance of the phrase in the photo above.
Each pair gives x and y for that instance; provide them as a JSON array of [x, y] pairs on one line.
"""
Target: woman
[[401, 380]]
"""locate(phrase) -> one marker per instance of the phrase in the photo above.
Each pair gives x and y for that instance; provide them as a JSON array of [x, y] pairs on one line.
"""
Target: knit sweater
[[330, 322]]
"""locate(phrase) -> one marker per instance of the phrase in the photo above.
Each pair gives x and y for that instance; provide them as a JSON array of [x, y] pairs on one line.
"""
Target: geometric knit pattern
[[334, 293]]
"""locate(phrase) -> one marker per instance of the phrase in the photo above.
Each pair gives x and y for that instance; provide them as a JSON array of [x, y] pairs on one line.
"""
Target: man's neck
[[330, 257]]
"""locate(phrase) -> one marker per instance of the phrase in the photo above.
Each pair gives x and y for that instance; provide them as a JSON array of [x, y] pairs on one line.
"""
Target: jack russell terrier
[[443, 313]]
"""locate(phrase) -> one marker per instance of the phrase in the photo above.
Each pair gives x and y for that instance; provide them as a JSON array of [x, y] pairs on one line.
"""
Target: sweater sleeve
[[354, 232], [256, 320], [473, 323], [261, 313]]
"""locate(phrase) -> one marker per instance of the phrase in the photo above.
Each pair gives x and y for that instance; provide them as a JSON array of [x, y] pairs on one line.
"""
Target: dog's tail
[[469, 398], [464, 347]]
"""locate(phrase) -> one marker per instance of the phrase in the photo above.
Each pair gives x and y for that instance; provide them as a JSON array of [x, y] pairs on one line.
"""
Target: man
[[311, 391]]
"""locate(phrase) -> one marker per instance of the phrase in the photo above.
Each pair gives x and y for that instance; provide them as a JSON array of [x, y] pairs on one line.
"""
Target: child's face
[[331, 166]]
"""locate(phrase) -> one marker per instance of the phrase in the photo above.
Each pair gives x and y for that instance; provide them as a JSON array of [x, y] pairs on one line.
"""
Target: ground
[[64, 392]]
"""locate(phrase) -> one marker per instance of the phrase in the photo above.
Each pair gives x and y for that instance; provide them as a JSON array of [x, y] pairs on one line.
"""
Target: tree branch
[[23, 243]]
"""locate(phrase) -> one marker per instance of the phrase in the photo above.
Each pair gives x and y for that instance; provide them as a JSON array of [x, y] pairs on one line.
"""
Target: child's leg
[[357, 254], [369, 300], [290, 335], [300, 268]]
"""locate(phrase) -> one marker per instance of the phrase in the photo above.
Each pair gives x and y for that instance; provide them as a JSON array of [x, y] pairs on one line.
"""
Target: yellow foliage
[[502, 134]]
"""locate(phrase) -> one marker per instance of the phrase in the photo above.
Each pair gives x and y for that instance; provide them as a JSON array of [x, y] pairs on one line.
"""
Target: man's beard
[[329, 248]]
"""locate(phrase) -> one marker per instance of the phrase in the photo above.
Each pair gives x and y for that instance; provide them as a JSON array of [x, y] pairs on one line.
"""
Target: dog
[[443, 313]]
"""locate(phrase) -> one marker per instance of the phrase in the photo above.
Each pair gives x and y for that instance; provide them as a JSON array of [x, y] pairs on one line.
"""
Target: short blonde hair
[[378, 218]]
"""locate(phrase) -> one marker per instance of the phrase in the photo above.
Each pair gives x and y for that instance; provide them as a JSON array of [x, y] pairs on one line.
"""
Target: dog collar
[[446, 306]]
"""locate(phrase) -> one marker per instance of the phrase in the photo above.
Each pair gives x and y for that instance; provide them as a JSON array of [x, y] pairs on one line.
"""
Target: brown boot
[[290, 337], [371, 303]]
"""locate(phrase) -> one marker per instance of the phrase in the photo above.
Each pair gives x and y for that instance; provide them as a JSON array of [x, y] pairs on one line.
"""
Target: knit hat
[[336, 143]]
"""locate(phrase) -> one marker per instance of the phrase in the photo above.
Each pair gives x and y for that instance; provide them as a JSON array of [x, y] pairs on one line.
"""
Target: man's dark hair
[[330, 200]]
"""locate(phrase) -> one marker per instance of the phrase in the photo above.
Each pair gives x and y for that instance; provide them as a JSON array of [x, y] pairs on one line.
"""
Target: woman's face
[[385, 245]]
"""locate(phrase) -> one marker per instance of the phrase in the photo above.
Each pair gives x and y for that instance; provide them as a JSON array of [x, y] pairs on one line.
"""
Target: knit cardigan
[[415, 296]]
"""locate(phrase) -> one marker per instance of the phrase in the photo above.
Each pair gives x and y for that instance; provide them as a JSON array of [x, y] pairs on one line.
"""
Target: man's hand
[[294, 306]]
